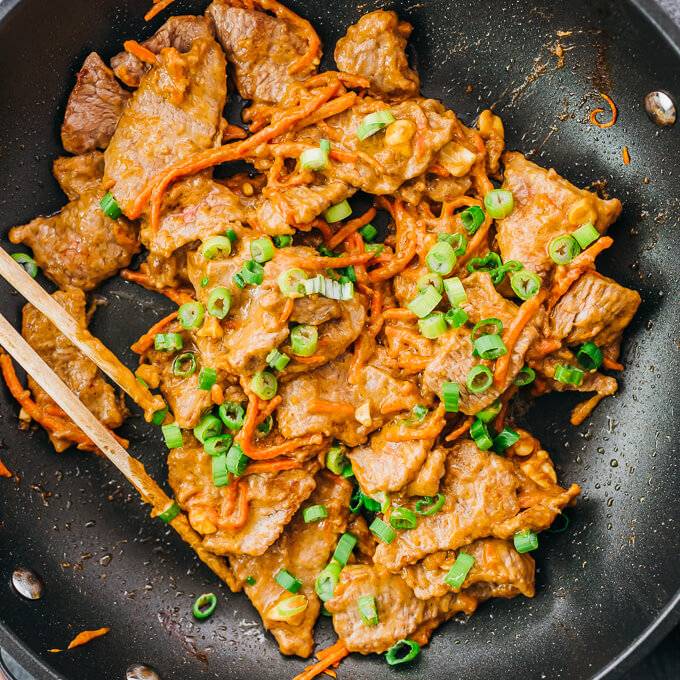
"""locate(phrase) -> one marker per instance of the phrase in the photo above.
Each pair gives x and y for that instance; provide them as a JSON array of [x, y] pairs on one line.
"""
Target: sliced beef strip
[[80, 247], [595, 309], [175, 113], [375, 385], [260, 49], [273, 499], [178, 32], [401, 614], [79, 373], [546, 206], [94, 108], [366, 544], [194, 209], [496, 563], [254, 325], [486, 495], [78, 174], [303, 550], [375, 48], [453, 358], [429, 476]]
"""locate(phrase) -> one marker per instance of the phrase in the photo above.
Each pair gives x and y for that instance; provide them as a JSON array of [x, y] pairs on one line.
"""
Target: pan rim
[[640, 646]]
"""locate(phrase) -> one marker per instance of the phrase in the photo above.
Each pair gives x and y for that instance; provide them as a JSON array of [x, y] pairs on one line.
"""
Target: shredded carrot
[[87, 635], [333, 654], [242, 513], [410, 338], [512, 333], [146, 341], [626, 155], [233, 132], [611, 365], [4, 472], [405, 255], [505, 401], [322, 226], [315, 263], [272, 466], [142, 277], [329, 109], [460, 430], [399, 314], [322, 406], [347, 79], [350, 228], [477, 241], [287, 311], [217, 394], [459, 202], [157, 8], [139, 51], [314, 360], [593, 115]]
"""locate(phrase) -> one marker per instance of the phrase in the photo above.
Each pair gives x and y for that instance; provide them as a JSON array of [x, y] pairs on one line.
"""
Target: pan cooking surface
[[599, 585]]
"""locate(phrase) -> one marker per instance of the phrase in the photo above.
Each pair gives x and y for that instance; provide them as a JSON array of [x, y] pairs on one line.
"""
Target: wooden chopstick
[[131, 468], [90, 346]]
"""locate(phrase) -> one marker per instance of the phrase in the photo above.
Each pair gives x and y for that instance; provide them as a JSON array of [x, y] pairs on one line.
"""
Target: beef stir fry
[[339, 380]]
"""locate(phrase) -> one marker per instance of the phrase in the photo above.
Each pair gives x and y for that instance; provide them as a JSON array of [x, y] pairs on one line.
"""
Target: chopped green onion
[[207, 377], [487, 263], [205, 605], [27, 262], [216, 246], [498, 274], [210, 426], [382, 530], [348, 471], [490, 412], [288, 608], [456, 317], [338, 212], [425, 302], [490, 346], [563, 249], [356, 501], [325, 144], [481, 325], [143, 382], [236, 461], [479, 379], [184, 365], [330, 288], [457, 241], [250, 581], [287, 581], [277, 360], [262, 250], [369, 503], [239, 280], [374, 122], [459, 571], [564, 524], [159, 416], [172, 435], [376, 248], [430, 279], [499, 203], [590, 356], [265, 427], [231, 235], [450, 396], [168, 515], [472, 219], [525, 541], [336, 461], [525, 284], [264, 384], [368, 232], [480, 435], [455, 291], [252, 272], [190, 315], [420, 411], [570, 375], [314, 159], [402, 652], [368, 610], [314, 513], [586, 234], [403, 518], [219, 302], [282, 240], [507, 437], [216, 446], [525, 376], [304, 339], [232, 415], [291, 281], [167, 342], [344, 548], [350, 272], [327, 580], [219, 470], [110, 206], [433, 325], [428, 506], [441, 259], [205, 281]]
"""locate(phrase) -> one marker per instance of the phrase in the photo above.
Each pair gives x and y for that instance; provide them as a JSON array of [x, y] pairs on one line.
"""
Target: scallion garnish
[[277, 360], [480, 435], [184, 365], [190, 315], [314, 513], [236, 460], [382, 530], [216, 246], [335, 290], [525, 284], [563, 249], [507, 437], [490, 346], [433, 325], [207, 377], [590, 356], [472, 218], [403, 518], [282, 240], [374, 122], [525, 376], [428, 506], [497, 325], [490, 412], [238, 280], [498, 274], [338, 212], [210, 426], [344, 548], [262, 250], [525, 541], [430, 279], [217, 446], [488, 263], [231, 235], [250, 581], [172, 435], [265, 427], [288, 608], [168, 515], [219, 470], [252, 272], [287, 581], [167, 342], [455, 291], [205, 605], [425, 302], [441, 258], [450, 395], [402, 652], [456, 317], [459, 570], [479, 379], [314, 159], [586, 234], [232, 415], [159, 416], [368, 610], [499, 203], [264, 384], [368, 232], [27, 262], [327, 580], [570, 375], [304, 340], [219, 302], [336, 461], [291, 282], [110, 206]]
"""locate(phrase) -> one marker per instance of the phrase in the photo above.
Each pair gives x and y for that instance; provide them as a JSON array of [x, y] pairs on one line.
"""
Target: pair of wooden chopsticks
[[132, 469]]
